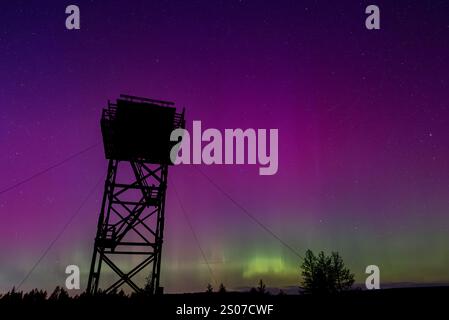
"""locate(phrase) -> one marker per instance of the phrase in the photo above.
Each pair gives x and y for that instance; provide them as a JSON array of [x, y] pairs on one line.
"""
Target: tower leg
[[131, 223]]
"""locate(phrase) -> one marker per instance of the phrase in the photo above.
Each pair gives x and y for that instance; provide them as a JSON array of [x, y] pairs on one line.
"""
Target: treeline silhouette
[[60, 294], [321, 274]]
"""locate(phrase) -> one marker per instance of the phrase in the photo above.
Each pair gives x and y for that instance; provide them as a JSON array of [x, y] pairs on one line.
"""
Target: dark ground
[[381, 304]]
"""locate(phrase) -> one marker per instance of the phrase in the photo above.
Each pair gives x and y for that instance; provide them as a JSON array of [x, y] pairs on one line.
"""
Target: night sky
[[362, 115]]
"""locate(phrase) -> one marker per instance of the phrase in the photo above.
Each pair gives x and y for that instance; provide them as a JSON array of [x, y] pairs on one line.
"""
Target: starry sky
[[362, 118]]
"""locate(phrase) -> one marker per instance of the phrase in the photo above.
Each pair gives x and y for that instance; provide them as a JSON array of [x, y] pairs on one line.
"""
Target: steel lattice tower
[[136, 135]]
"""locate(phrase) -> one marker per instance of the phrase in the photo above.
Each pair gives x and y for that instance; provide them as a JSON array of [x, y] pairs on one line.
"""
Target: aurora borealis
[[363, 121]]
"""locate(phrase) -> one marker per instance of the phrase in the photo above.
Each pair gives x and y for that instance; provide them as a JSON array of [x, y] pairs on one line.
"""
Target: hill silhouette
[[347, 304]]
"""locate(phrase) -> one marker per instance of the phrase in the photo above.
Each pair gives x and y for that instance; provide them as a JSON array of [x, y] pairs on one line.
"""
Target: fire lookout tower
[[136, 137]]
